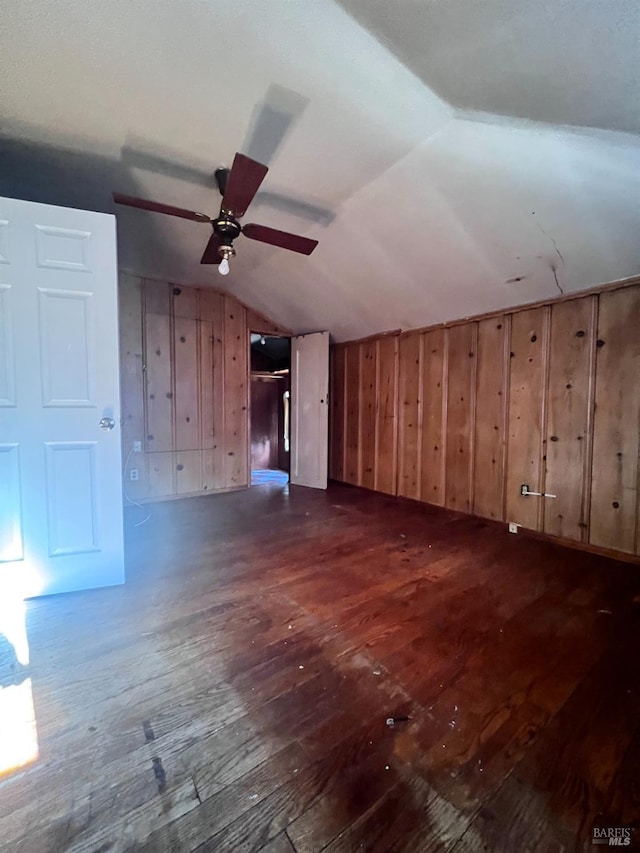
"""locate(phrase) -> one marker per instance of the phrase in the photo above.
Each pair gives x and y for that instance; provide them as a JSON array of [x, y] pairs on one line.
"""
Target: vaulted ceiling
[[452, 157]]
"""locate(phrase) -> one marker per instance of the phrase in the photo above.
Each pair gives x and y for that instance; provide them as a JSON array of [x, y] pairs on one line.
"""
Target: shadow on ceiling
[[56, 175], [271, 123]]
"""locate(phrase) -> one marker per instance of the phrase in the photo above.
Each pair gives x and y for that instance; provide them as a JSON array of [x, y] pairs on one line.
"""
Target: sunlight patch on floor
[[18, 730], [269, 477]]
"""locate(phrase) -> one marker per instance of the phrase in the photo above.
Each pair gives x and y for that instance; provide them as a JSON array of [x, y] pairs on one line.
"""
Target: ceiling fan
[[238, 187]]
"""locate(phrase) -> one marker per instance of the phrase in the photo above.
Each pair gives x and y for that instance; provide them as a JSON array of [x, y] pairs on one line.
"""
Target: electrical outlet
[[137, 447], [133, 474], [513, 527]]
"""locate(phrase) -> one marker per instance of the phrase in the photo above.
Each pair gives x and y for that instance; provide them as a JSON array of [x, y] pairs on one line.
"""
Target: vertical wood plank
[[194, 393], [159, 385], [544, 415], [157, 295], [535, 381], [368, 385], [505, 423], [185, 302], [488, 491], [210, 474], [459, 453], [591, 404], [526, 392], [161, 475], [337, 397], [236, 373], [130, 295], [188, 465], [212, 311], [352, 421], [614, 482], [571, 340], [432, 485], [409, 437], [187, 384], [386, 417], [205, 383]]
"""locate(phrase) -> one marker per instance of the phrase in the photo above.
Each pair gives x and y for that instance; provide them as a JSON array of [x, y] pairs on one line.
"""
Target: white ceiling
[[437, 150], [558, 61]]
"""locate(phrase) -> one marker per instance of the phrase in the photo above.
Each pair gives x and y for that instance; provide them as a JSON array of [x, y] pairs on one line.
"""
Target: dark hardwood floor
[[233, 696]]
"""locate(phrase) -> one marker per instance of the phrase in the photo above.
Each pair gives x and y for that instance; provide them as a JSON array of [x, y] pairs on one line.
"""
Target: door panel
[[72, 512], [7, 360], [10, 517], [60, 470], [66, 348], [63, 248], [4, 241], [309, 410]]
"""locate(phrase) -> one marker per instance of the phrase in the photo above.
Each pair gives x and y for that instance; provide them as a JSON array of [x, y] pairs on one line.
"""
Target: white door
[[60, 462], [310, 410]]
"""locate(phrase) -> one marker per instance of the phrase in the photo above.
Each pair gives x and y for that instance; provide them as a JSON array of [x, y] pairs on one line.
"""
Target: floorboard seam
[[288, 837], [195, 788]]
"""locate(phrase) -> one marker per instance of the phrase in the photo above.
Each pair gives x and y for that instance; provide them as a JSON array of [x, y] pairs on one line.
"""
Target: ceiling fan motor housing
[[222, 177], [227, 228]]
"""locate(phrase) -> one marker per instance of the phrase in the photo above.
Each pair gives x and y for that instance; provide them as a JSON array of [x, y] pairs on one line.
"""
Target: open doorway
[[270, 409]]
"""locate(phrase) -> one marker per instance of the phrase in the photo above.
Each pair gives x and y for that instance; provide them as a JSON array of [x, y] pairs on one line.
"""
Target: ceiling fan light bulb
[[223, 267]]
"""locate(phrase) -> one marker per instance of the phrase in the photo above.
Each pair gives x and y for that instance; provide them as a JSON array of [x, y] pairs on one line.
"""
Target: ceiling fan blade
[[293, 242], [243, 183], [211, 255], [157, 207]]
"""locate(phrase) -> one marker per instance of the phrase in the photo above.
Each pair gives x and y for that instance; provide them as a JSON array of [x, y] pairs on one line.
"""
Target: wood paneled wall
[[364, 432], [184, 387], [461, 416]]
